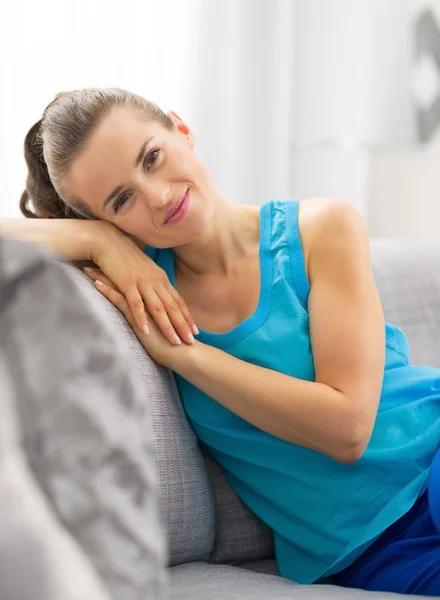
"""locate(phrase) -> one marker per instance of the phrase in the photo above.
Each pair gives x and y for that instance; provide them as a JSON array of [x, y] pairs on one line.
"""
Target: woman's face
[[133, 171]]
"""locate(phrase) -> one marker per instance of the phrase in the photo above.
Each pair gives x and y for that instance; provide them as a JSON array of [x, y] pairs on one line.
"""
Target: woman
[[295, 384]]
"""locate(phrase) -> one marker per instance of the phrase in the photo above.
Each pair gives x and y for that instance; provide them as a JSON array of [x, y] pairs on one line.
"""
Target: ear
[[182, 128]]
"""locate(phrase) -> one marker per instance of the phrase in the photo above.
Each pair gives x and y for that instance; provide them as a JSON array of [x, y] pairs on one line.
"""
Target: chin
[[196, 227]]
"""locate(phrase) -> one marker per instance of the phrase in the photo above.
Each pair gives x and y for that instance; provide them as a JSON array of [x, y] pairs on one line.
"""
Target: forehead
[[109, 156]]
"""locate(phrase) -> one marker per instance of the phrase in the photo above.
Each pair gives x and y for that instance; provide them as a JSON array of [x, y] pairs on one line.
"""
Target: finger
[[184, 310], [175, 315], [137, 308], [115, 297], [99, 275], [157, 310], [92, 271], [133, 297]]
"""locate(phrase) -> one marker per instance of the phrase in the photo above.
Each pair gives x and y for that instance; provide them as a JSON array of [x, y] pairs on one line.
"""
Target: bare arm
[[73, 240], [121, 258]]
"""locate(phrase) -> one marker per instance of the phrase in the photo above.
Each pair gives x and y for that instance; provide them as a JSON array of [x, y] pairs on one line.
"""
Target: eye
[[120, 202], [151, 158]]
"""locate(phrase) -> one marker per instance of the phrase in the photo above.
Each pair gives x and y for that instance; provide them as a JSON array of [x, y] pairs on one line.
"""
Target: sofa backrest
[[407, 275]]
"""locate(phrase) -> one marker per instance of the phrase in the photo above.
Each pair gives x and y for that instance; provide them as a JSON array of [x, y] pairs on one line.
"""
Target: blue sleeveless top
[[324, 514]]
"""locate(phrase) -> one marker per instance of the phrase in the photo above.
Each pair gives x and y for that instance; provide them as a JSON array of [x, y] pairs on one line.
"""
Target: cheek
[[202, 172], [185, 166], [138, 223]]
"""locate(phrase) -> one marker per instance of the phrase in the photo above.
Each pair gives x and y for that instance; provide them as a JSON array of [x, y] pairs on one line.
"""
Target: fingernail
[[145, 329], [191, 339], [196, 330], [176, 339], [88, 269], [98, 282]]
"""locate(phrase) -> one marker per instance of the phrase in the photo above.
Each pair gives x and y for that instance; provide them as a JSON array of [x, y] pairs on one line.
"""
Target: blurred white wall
[[404, 179], [404, 193], [352, 93], [357, 91]]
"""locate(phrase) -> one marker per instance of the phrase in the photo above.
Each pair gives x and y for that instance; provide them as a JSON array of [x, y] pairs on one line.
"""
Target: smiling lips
[[176, 207]]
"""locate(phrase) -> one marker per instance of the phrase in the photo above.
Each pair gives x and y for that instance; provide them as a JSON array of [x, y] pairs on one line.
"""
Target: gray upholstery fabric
[[39, 559], [407, 275], [85, 422], [268, 565], [185, 494], [201, 581], [239, 534]]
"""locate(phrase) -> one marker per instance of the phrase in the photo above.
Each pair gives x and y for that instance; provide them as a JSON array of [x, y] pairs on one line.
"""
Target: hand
[[144, 285], [153, 342]]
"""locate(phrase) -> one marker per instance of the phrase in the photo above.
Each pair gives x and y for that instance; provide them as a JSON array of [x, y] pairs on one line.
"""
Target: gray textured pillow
[[39, 559], [85, 422], [239, 534]]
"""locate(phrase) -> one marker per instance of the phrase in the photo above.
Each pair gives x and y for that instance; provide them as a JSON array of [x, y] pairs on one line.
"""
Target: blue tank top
[[324, 514]]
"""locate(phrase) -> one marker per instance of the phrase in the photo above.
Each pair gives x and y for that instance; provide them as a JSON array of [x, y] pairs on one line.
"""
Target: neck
[[232, 236]]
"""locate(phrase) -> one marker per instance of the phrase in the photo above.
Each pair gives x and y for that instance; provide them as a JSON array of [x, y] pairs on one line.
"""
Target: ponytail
[[40, 191]]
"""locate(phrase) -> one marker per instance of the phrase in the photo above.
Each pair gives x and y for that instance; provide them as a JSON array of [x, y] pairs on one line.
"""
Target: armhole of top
[[299, 274]]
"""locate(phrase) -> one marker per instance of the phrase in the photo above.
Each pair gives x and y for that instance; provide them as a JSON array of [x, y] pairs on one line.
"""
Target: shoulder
[[326, 224]]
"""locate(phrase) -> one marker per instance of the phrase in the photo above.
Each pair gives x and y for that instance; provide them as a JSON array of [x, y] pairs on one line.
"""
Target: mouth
[[176, 206]]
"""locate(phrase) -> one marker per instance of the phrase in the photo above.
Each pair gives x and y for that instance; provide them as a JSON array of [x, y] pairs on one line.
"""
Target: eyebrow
[[137, 162]]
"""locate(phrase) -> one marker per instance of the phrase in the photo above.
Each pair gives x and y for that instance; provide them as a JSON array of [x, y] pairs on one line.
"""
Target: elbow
[[354, 445], [350, 454]]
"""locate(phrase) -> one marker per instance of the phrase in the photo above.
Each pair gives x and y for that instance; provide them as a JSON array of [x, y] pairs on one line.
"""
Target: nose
[[157, 194]]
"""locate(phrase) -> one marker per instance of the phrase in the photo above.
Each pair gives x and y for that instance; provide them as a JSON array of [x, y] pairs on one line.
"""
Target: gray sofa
[[201, 541]]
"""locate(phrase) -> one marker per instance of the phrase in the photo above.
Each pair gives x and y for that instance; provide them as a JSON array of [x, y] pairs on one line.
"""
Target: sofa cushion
[[239, 533], [268, 565], [186, 501], [199, 581], [85, 423]]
